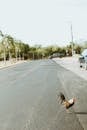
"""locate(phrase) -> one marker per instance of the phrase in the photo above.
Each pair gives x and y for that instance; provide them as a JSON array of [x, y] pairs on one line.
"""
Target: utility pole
[[72, 41]]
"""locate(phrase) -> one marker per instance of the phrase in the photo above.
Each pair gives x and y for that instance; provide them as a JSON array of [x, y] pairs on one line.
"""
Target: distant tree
[[69, 49], [77, 49]]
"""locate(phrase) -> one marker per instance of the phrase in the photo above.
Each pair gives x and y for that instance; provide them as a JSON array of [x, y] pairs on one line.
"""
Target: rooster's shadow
[[83, 113]]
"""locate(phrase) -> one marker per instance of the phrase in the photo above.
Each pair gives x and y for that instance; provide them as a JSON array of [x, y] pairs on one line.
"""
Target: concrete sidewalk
[[10, 63], [72, 64]]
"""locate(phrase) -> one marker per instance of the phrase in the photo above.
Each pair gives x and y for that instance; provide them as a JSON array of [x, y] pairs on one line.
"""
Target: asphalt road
[[28, 97]]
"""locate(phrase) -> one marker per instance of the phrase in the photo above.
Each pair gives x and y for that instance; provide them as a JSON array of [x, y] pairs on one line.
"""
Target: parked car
[[55, 55], [83, 59], [50, 57]]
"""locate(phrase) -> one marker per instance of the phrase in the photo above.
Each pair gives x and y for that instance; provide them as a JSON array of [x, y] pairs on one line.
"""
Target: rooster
[[67, 103]]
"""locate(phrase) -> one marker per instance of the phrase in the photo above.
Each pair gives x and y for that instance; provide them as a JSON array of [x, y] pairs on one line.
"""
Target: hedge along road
[[28, 97]]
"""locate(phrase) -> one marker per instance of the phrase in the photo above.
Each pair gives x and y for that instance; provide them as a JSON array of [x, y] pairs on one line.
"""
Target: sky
[[44, 22]]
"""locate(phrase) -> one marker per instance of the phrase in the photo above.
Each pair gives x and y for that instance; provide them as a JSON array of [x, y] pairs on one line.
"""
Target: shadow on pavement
[[81, 113]]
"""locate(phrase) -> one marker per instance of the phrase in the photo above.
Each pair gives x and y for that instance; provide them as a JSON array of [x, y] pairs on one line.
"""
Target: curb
[[11, 65]]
